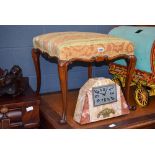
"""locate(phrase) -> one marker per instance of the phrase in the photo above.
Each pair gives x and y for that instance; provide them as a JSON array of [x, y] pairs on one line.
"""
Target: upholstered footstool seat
[[68, 47], [81, 45]]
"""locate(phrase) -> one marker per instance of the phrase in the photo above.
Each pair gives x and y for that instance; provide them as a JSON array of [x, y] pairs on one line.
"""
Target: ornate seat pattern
[[81, 45]]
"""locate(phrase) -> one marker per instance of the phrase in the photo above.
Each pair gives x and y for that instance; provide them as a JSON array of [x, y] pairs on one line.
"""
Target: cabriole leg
[[36, 61], [131, 62], [63, 77], [89, 70]]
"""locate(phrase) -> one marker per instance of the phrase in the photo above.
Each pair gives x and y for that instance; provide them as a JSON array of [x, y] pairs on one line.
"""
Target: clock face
[[104, 94]]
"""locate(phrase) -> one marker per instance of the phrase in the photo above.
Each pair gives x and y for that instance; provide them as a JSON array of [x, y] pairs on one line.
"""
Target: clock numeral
[[96, 91], [98, 100], [112, 98], [96, 96], [108, 99], [111, 93], [104, 95], [110, 89]]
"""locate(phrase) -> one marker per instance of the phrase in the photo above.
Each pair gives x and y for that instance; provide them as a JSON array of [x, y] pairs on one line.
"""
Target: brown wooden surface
[[26, 96], [13, 112], [51, 110]]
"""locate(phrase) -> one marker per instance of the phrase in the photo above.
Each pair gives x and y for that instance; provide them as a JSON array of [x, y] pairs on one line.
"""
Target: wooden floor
[[50, 110]]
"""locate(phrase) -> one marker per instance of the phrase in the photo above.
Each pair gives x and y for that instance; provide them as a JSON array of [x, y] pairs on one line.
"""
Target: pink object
[[86, 112]]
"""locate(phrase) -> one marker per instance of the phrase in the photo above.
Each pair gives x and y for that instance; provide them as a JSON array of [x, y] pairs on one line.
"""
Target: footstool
[[68, 47]]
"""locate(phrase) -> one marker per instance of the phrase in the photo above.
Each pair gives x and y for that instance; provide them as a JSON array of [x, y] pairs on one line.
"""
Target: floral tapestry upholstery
[[81, 45]]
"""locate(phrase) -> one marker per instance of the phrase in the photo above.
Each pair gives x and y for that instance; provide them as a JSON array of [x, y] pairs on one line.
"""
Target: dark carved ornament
[[10, 81]]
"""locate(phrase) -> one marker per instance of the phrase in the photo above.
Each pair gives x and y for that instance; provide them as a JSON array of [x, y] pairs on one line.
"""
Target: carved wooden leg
[[36, 60], [63, 77], [131, 62], [89, 70]]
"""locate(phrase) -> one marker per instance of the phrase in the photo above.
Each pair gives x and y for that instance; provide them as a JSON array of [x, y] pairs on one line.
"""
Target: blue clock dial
[[104, 94]]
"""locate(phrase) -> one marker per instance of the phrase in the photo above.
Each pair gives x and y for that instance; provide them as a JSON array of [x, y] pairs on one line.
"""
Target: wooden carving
[[10, 81]]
